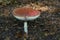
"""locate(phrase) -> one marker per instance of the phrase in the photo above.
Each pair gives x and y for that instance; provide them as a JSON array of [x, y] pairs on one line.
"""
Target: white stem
[[25, 27]]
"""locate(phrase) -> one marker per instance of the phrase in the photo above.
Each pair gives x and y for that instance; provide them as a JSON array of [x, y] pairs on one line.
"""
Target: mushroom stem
[[25, 27], [25, 30]]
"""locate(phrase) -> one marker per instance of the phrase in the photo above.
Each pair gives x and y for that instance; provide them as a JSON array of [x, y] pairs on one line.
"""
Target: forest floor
[[45, 27]]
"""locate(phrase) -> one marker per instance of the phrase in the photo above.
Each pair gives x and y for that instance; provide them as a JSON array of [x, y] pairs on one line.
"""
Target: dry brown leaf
[[37, 7], [41, 8]]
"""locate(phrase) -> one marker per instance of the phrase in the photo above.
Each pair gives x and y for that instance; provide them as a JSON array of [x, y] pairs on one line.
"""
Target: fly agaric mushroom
[[26, 14]]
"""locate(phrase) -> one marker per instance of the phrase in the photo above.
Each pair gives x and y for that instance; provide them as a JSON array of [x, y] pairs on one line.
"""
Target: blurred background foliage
[[47, 2], [54, 5]]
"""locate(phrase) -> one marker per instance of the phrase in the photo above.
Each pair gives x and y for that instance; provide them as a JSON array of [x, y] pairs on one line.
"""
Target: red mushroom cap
[[25, 12]]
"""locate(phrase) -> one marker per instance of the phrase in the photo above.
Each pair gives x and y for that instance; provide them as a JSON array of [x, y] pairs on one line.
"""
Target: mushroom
[[25, 14]]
